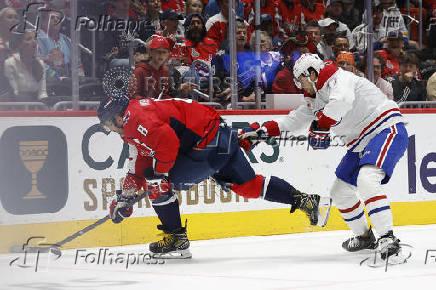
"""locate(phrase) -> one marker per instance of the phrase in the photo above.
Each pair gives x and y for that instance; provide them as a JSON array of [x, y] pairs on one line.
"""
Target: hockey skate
[[362, 242], [390, 249], [174, 245], [317, 208]]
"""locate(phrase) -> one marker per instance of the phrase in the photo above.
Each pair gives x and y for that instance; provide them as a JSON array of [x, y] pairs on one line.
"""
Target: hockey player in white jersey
[[342, 103]]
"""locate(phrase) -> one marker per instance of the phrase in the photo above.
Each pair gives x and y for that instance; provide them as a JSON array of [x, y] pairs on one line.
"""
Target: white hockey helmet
[[304, 63]]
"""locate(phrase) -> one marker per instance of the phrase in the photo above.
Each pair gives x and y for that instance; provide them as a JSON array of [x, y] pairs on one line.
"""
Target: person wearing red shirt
[[152, 77], [391, 54], [176, 5], [309, 10], [197, 45], [188, 142], [216, 26]]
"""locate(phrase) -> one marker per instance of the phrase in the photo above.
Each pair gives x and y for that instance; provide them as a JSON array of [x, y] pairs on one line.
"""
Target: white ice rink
[[295, 261]]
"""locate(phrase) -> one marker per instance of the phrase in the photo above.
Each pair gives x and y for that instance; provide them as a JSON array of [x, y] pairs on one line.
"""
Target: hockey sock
[[344, 195], [375, 199], [278, 190], [169, 215]]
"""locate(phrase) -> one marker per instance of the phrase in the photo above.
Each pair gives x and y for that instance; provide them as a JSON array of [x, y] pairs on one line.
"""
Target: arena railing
[[23, 106], [83, 105], [417, 104]]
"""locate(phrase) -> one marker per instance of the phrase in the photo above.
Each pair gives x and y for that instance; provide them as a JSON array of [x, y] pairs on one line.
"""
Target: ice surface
[[295, 261]]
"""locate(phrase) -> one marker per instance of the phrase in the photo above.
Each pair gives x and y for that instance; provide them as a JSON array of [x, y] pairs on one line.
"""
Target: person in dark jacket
[[406, 86]]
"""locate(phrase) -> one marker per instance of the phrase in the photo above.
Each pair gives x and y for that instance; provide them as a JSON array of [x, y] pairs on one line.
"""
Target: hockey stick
[[54, 248]]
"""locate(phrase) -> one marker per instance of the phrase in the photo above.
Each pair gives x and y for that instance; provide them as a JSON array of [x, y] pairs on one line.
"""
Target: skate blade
[[182, 254], [324, 207], [376, 261]]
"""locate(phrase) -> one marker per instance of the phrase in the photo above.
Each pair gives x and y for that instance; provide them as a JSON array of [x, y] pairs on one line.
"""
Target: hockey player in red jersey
[[373, 128], [180, 143]]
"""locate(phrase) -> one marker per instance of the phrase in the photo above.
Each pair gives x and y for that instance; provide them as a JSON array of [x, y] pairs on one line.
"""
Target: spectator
[[216, 26], [198, 46], [176, 5], [221, 62], [152, 18], [153, 76], [350, 15], [194, 6], [360, 33], [406, 86], [24, 70], [341, 45], [391, 54], [328, 32], [8, 19], [334, 11], [268, 11], [267, 25], [213, 8], [291, 50], [345, 60], [290, 20], [55, 48], [312, 28], [270, 61], [431, 88], [309, 10], [169, 24], [392, 18], [378, 65]]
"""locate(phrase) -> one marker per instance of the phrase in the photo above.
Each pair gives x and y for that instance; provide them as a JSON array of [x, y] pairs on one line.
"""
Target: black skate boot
[[366, 241], [174, 245], [316, 208], [389, 245]]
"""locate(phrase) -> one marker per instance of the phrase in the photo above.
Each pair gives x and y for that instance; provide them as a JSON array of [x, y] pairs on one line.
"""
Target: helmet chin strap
[[313, 84]]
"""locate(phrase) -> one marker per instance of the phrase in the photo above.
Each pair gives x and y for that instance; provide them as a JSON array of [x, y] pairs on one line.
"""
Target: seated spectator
[[345, 60], [269, 12], [334, 9], [216, 26], [197, 45], [407, 87], [176, 5], [25, 72], [341, 45], [328, 32], [213, 8], [391, 54], [309, 10], [267, 25], [392, 18], [291, 51], [153, 77], [360, 33], [312, 28], [378, 65], [350, 15], [290, 20], [431, 88], [245, 59], [8, 19], [194, 6], [169, 24], [152, 18], [55, 48]]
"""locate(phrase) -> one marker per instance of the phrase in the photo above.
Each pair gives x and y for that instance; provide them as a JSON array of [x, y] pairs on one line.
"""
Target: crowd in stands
[[185, 43]]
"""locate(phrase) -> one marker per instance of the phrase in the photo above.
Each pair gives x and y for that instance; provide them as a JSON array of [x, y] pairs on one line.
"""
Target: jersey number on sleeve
[[142, 130]]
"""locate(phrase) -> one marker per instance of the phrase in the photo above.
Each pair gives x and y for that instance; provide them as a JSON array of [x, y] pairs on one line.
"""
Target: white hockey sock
[[375, 198], [344, 195]]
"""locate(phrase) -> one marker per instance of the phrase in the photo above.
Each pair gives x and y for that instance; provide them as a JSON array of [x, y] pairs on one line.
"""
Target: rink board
[[78, 169]]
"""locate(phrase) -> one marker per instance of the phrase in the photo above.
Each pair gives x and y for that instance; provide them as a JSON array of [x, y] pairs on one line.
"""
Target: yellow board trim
[[201, 226]]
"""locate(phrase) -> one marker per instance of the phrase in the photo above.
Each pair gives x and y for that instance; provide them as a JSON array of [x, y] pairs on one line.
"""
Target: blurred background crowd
[[175, 48]]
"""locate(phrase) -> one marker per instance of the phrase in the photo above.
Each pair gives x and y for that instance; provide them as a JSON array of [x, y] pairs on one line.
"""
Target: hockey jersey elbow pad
[[324, 122]]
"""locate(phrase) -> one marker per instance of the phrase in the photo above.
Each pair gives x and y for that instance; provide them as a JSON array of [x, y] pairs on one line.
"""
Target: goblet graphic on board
[[33, 154]]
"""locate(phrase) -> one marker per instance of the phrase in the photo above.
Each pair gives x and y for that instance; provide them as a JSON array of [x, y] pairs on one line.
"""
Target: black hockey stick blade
[[45, 248]]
